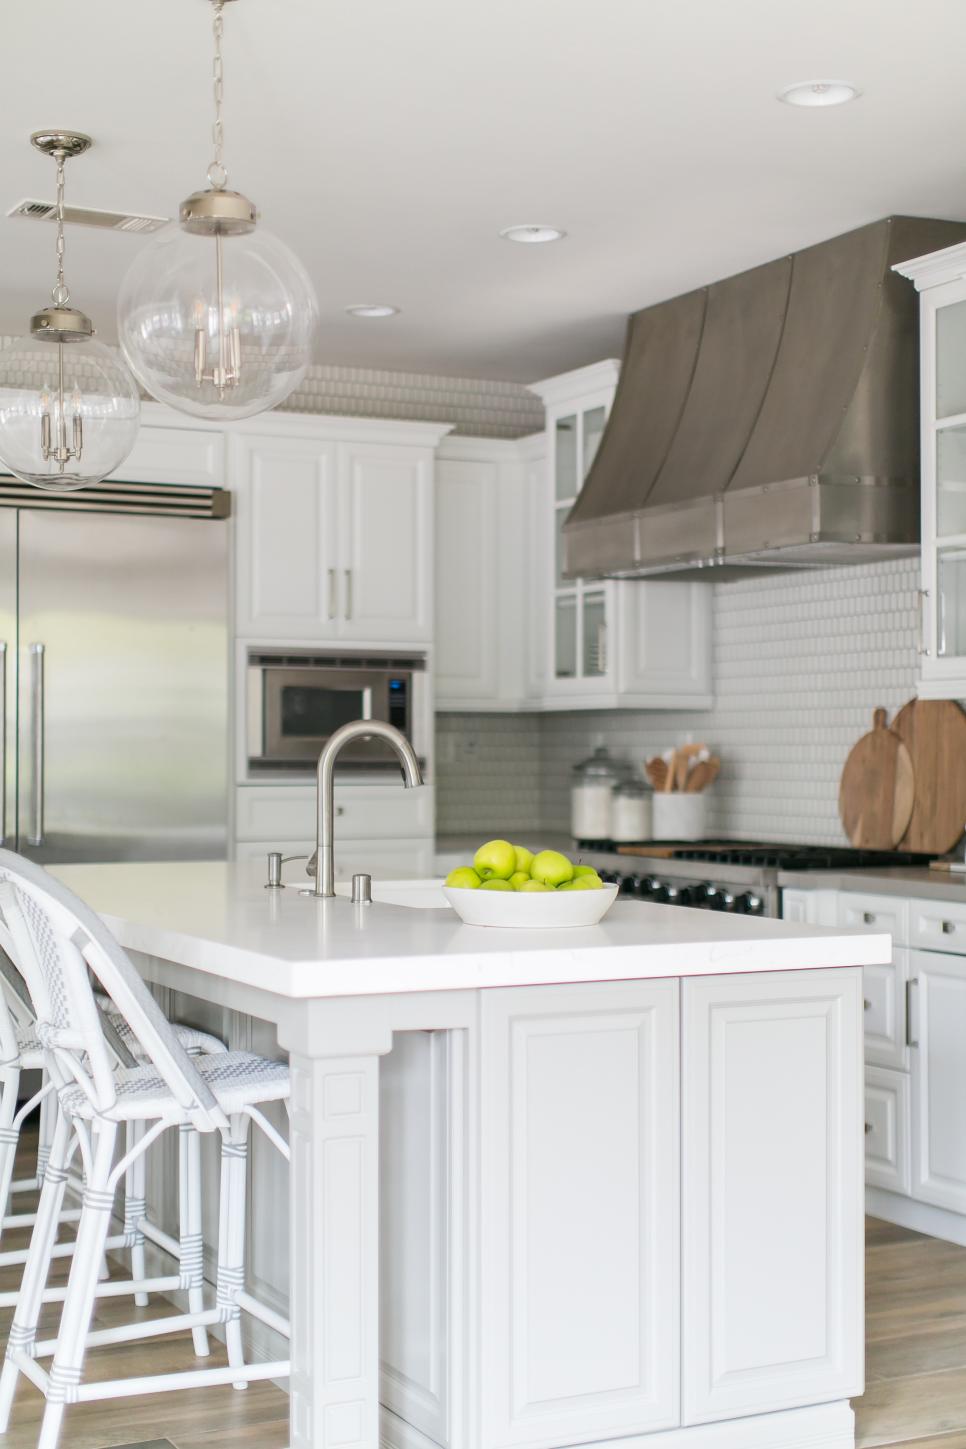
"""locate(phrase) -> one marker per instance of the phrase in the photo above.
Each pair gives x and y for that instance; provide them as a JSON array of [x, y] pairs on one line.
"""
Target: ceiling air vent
[[88, 216]]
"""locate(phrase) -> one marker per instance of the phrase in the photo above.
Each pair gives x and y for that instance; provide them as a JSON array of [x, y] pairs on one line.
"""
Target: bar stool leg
[[231, 1235], [48, 1122], [68, 1362], [135, 1208], [23, 1331], [9, 1134], [192, 1241]]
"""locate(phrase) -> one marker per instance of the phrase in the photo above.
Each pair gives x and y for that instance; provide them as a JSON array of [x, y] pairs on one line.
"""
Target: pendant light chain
[[59, 292], [217, 175]]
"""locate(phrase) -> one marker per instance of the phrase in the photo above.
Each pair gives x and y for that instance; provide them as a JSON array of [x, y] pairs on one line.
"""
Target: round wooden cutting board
[[934, 732], [878, 787]]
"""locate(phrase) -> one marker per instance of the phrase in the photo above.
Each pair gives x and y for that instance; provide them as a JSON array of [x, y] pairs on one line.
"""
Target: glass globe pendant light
[[218, 317], [69, 408]]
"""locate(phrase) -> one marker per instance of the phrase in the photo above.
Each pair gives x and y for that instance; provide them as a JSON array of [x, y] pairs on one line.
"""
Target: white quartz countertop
[[219, 918]]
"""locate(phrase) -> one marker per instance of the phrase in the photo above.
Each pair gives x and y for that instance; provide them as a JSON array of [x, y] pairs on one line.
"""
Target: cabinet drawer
[[382, 859], [876, 913], [887, 1130], [884, 992], [363, 812], [938, 926]]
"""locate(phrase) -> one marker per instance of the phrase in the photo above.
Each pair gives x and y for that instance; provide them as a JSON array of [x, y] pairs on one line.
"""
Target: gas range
[[727, 875]]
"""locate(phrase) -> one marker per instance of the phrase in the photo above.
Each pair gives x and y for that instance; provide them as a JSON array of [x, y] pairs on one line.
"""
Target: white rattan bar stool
[[58, 942], [20, 1051]]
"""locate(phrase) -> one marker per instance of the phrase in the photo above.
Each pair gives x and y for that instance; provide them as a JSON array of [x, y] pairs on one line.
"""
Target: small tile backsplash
[[800, 662]]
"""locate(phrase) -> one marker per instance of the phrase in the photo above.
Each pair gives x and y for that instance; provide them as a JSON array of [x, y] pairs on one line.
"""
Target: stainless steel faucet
[[322, 863]]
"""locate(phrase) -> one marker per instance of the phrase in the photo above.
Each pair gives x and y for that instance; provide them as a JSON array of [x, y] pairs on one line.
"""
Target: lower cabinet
[[887, 1161], [938, 1031], [773, 1192]]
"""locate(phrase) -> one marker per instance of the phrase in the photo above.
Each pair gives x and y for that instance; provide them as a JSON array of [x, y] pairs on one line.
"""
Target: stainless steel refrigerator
[[113, 679]]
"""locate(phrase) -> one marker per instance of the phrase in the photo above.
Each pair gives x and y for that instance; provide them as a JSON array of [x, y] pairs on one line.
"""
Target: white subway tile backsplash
[[801, 661]]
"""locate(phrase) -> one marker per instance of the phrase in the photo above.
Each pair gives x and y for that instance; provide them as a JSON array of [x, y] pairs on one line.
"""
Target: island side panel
[[773, 1192], [580, 1212]]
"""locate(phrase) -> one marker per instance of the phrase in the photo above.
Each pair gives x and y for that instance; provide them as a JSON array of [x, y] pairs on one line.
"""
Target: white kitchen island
[[595, 1187]]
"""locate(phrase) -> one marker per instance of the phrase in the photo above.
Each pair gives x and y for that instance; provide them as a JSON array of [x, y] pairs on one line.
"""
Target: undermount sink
[[419, 895]]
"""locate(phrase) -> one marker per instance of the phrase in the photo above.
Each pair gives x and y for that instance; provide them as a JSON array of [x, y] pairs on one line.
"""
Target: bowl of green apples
[[516, 888]]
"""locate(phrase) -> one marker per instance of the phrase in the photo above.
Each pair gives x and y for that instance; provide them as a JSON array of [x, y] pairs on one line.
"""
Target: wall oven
[[297, 698]]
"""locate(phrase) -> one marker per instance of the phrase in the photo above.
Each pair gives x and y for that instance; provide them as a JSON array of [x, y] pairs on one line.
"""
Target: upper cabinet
[[598, 644], [941, 280], [335, 531]]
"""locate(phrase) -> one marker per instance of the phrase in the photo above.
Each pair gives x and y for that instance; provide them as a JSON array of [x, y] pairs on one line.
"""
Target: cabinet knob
[[948, 927], [866, 1004], [868, 918], [868, 1128]]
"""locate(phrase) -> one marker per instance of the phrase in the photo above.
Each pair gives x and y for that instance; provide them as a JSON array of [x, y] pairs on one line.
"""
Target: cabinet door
[[665, 643], [580, 1280], [887, 1129], [176, 455], [386, 536], [287, 577], [937, 1030], [467, 602], [773, 1191]]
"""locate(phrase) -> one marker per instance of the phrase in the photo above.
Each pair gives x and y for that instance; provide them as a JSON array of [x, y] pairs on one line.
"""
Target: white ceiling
[[390, 140]]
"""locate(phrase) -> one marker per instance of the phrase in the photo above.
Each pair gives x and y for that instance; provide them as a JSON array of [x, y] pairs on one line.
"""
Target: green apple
[[584, 883], [552, 868], [519, 879], [496, 884], [536, 885], [580, 870], [587, 878], [524, 859], [464, 879], [497, 858]]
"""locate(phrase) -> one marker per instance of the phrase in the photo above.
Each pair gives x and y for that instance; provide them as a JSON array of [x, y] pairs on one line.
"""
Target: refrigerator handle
[[3, 742], [37, 741]]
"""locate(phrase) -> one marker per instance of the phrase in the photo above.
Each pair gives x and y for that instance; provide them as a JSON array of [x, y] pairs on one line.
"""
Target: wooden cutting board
[[877, 790], [934, 732]]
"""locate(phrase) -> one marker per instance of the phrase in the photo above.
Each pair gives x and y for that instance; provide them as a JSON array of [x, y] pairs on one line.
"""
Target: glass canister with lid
[[592, 795], [631, 814]]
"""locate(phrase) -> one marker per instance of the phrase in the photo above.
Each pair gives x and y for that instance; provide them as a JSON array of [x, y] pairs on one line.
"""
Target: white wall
[[801, 661]]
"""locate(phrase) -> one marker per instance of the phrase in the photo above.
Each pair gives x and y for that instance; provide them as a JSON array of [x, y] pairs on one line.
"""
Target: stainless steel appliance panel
[[8, 676], [123, 658]]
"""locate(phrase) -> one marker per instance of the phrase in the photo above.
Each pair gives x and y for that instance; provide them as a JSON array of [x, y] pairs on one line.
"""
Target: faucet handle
[[362, 890]]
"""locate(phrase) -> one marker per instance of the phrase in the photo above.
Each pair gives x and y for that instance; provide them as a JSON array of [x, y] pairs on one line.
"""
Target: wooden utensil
[[671, 771], [703, 774], [877, 789], [656, 771], [934, 732]]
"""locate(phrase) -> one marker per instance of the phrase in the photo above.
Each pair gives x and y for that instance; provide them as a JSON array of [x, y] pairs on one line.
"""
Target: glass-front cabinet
[[603, 643], [941, 280]]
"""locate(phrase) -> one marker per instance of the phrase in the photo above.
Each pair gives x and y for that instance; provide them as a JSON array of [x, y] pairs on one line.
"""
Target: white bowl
[[531, 910]]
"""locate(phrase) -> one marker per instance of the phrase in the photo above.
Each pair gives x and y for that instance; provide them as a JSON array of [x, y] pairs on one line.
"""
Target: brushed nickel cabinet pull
[[921, 596], [333, 594], [866, 1004], [348, 593], [913, 981], [868, 1128]]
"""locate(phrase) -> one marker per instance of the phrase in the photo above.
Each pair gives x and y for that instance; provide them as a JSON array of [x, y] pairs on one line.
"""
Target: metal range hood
[[770, 420]]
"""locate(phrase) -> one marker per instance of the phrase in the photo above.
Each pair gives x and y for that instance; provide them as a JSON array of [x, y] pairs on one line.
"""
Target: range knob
[[687, 896], [672, 894], [709, 897], [726, 901], [610, 877], [750, 904], [630, 885]]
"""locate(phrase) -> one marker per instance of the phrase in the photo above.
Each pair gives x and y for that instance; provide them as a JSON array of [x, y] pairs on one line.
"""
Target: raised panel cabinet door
[[194, 456], [467, 601], [580, 1213], [287, 578], [937, 1001], [665, 641], [386, 536], [772, 1222]]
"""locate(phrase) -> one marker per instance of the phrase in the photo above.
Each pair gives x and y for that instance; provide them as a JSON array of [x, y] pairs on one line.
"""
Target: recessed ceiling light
[[372, 309], [532, 233], [819, 93]]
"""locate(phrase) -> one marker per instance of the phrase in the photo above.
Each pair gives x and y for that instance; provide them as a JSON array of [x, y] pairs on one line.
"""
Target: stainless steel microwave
[[297, 699]]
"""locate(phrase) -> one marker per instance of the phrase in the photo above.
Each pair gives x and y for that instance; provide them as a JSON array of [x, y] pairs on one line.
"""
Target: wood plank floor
[[915, 1366]]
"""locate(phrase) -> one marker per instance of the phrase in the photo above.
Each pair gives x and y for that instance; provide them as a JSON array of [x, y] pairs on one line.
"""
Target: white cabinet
[[580, 1308], [887, 1115], [335, 531], [938, 1031], [599, 644], [940, 280], [772, 1184], [169, 451], [482, 556]]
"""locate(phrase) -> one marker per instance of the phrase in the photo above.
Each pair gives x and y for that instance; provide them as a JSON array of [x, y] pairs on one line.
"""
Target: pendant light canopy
[[218, 317], [69, 408]]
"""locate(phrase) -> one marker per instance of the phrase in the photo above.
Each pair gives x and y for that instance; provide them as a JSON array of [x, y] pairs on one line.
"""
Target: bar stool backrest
[[15, 1019], [56, 938]]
